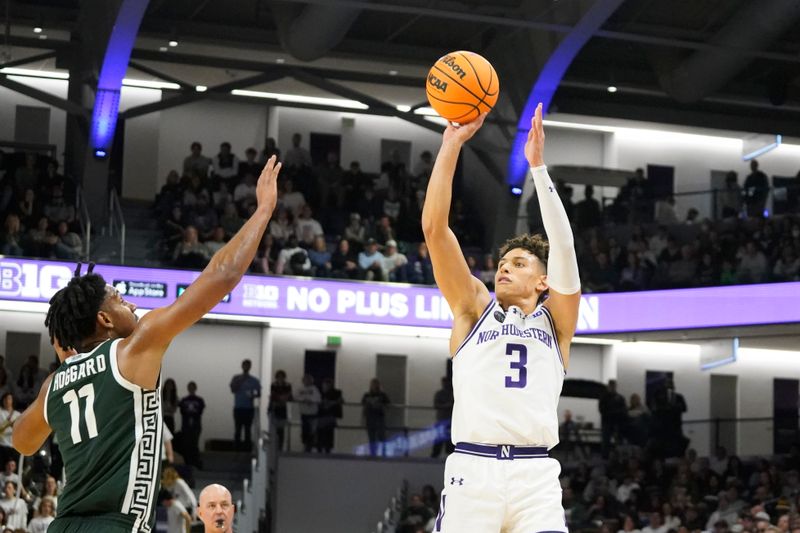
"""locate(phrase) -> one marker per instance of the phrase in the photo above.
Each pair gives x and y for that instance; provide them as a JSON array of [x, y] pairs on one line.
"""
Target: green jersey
[[109, 432]]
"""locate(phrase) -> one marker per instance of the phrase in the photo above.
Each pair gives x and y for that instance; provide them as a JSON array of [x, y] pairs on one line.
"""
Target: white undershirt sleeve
[[562, 262]]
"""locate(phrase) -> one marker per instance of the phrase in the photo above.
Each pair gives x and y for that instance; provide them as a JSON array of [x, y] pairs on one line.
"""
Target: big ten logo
[[317, 299], [258, 295], [29, 280]]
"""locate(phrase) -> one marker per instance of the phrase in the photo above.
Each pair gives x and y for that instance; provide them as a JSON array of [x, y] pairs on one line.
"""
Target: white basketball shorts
[[500, 489]]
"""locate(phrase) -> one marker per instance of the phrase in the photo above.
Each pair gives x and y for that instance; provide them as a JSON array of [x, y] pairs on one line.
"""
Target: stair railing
[[85, 222], [116, 222]]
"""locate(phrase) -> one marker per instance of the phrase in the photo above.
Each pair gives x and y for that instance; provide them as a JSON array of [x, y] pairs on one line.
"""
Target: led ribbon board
[[27, 280]]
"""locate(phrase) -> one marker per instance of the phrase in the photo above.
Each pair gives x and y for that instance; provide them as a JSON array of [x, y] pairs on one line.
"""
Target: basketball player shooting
[[103, 402], [509, 357]]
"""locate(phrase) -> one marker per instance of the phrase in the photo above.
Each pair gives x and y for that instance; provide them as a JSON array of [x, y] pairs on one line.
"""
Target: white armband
[[562, 262]]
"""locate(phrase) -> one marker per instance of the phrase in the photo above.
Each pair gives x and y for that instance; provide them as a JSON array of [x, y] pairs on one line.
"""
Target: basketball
[[462, 85]]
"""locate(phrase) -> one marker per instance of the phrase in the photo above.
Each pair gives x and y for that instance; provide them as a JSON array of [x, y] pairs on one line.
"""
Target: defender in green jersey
[[103, 401]]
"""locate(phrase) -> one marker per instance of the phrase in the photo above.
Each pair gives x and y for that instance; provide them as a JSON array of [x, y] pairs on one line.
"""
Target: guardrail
[[116, 222], [85, 221]]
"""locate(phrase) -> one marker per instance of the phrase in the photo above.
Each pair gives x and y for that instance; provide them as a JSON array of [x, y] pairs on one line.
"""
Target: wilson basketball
[[462, 85]]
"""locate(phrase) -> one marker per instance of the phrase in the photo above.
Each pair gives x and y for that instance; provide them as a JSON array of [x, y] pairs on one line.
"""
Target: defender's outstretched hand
[[534, 147], [267, 187], [464, 132]]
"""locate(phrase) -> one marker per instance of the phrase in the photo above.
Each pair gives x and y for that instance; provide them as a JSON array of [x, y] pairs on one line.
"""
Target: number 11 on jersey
[[520, 351], [72, 399]]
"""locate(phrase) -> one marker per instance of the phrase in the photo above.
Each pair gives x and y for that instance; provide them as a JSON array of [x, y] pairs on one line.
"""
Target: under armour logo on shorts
[[453, 481]]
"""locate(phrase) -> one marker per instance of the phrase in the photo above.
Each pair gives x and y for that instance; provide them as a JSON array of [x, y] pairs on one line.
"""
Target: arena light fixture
[[38, 29], [612, 88], [147, 84], [173, 44], [201, 88], [35, 73], [404, 108], [316, 100]]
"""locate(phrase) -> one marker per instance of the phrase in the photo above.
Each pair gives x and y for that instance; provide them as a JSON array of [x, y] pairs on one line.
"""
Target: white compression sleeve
[[562, 262]]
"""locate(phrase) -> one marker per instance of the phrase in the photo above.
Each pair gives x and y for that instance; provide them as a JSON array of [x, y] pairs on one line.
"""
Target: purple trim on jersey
[[555, 336], [440, 516], [476, 326], [502, 452]]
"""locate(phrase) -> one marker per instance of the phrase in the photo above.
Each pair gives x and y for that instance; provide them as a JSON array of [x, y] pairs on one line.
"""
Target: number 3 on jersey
[[72, 399], [520, 352]]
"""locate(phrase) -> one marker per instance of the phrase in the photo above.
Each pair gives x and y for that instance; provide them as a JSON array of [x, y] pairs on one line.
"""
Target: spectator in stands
[[756, 191], [230, 220], [281, 227], [665, 211], [443, 402], [329, 178], [638, 421], [629, 523], [344, 262], [569, 437], [291, 199], [216, 241], [180, 490], [169, 195], [216, 509], [225, 165], [280, 394], [193, 191], [656, 524], [632, 277], [270, 149], [44, 515], [69, 244], [330, 409], [419, 267], [374, 403], [370, 261], [245, 389], [787, 267], [730, 198], [355, 231], [293, 259], [220, 195], [29, 208], [752, 264], [587, 211], [11, 237], [245, 192], [15, 508], [169, 403], [668, 409], [39, 240], [178, 519], [266, 255], [308, 399], [190, 252], [27, 177], [250, 165], [724, 514], [204, 218], [682, 271], [658, 242], [692, 216], [727, 274], [394, 262], [417, 513], [297, 157], [8, 415], [196, 163], [423, 169], [613, 415], [370, 205], [191, 407], [391, 206], [602, 277], [707, 271], [306, 227], [56, 208], [354, 181], [384, 231], [320, 257]]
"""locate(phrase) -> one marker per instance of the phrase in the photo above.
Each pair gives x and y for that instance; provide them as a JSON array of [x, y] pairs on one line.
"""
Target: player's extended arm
[[141, 353], [31, 429], [562, 262], [465, 293]]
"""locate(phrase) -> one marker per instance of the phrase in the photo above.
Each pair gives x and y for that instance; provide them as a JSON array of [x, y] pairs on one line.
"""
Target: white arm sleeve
[[562, 263]]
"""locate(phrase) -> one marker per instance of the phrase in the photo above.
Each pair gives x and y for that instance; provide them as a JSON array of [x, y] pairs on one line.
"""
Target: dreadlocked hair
[[535, 244], [73, 310]]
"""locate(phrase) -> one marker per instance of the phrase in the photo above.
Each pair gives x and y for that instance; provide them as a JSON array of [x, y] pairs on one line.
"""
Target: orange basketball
[[461, 86]]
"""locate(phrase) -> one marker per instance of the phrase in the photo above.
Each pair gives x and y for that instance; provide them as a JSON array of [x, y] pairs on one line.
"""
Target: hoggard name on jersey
[[79, 371]]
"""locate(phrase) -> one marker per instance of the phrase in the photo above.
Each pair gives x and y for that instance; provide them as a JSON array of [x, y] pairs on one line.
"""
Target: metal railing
[[413, 431], [252, 508], [85, 222], [116, 222]]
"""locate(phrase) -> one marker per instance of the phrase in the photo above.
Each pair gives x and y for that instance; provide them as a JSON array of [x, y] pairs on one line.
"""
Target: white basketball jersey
[[507, 378]]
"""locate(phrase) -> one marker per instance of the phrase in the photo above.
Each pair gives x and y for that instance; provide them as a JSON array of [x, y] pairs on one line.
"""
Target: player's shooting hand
[[534, 147], [267, 187], [464, 132]]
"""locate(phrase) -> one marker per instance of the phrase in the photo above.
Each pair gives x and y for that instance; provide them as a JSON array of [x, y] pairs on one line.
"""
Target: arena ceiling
[[731, 64]]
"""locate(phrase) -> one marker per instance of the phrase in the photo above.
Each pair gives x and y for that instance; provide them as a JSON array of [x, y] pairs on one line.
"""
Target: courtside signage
[[405, 305]]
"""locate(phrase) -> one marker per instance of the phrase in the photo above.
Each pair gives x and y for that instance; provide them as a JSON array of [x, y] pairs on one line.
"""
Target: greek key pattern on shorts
[[148, 457]]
